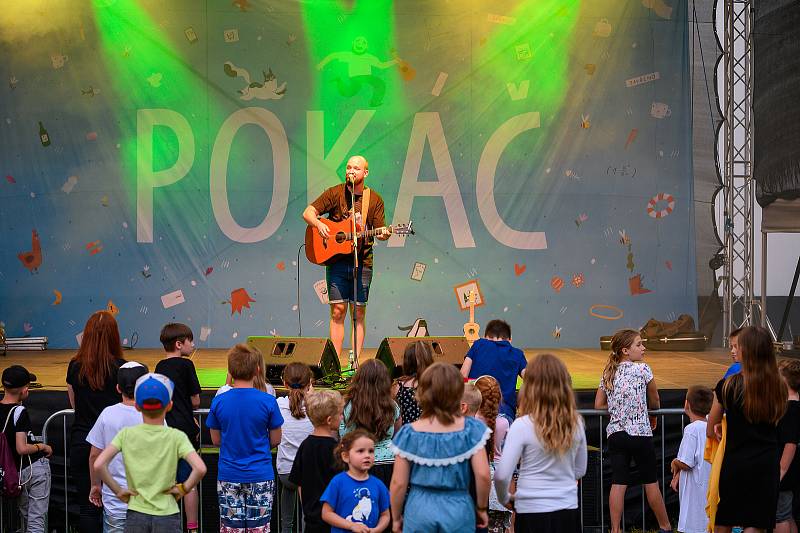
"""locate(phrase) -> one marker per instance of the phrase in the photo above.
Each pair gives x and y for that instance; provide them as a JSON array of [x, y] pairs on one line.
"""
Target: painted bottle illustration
[[43, 135]]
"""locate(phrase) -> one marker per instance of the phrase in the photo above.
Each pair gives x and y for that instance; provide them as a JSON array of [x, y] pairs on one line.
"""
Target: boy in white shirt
[[689, 471], [109, 423]]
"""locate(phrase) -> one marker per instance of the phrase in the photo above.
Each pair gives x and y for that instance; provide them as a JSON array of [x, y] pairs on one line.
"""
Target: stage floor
[[673, 370]]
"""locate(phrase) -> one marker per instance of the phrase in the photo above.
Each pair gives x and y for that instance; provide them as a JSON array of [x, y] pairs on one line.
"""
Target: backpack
[[9, 476]]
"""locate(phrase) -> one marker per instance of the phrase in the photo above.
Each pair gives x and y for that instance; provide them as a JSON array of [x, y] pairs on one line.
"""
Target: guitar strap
[[365, 207]]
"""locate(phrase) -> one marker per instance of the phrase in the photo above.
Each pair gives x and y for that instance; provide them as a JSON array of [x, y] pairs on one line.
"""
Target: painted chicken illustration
[[32, 260]]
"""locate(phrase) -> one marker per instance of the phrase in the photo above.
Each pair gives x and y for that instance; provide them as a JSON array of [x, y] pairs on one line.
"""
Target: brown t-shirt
[[335, 202]]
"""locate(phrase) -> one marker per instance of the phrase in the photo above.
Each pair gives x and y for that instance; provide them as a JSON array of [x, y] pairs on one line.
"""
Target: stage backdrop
[[156, 158]]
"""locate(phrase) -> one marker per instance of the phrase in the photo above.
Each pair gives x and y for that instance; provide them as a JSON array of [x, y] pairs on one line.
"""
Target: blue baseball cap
[[153, 392]]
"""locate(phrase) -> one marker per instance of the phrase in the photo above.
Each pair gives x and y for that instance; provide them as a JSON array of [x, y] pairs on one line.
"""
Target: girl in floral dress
[[627, 389]]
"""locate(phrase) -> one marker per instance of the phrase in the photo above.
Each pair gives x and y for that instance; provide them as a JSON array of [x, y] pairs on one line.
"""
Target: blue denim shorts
[[339, 277]]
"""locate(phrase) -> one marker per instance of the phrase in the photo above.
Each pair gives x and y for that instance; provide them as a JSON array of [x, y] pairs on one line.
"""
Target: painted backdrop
[[155, 158]]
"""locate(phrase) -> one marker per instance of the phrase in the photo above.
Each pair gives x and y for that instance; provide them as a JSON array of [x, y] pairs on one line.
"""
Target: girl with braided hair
[[489, 413]]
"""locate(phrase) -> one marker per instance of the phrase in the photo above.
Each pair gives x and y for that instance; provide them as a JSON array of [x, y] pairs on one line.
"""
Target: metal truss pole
[[738, 185]]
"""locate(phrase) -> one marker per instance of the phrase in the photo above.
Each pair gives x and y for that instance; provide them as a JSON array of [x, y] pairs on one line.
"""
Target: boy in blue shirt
[[494, 356], [245, 423], [736, 367]]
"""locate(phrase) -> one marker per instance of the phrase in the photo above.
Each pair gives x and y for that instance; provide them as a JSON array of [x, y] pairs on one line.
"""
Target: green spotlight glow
[[144, 66], [538, 45], [353, 58]]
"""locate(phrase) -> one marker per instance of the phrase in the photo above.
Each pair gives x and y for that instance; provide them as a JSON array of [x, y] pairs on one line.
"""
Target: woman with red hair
[[91, 386]]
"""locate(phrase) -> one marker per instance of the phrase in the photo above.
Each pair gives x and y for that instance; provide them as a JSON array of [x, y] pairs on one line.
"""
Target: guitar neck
[[472, 313], [367, 233]]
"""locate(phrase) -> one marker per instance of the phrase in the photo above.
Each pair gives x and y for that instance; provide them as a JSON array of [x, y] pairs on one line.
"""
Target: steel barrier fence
[[597, 417]]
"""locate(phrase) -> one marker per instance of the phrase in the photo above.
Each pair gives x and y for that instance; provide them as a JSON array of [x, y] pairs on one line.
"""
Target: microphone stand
[[354, 311]]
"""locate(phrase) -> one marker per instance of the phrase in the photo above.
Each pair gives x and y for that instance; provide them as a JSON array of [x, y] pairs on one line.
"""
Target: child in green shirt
[[151, 451]]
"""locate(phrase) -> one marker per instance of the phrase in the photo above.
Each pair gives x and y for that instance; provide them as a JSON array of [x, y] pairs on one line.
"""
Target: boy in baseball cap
[[110, 422], [35, 474], [151, 451]]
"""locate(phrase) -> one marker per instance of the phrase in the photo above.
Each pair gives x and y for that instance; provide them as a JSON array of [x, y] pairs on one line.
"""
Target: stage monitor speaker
[[316, 352], [445, 350]]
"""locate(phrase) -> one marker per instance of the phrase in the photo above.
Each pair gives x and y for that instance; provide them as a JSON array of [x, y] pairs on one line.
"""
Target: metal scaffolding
[[737, 178]]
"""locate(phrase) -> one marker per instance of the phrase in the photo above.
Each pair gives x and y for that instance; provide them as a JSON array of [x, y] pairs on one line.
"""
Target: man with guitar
[[337, 204]]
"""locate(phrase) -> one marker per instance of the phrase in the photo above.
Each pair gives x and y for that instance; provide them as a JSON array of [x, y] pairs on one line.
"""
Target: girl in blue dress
[[436, 456]]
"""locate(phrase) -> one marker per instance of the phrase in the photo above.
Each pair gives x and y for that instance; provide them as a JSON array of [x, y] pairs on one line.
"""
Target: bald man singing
[[336, 202]]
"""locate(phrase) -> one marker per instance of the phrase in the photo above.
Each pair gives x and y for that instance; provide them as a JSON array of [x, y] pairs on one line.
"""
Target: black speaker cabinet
[[318, 353], [445, 350]]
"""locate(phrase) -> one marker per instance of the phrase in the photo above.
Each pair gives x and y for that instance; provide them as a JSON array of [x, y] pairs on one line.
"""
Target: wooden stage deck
[[673, 370]]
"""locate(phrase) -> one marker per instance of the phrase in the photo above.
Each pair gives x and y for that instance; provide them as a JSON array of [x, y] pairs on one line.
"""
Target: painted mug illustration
[[58, 60], [660, 110], [602, 28]]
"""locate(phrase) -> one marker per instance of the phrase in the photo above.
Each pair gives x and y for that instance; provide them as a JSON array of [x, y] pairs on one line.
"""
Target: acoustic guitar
[[471, 328], [320, 251]]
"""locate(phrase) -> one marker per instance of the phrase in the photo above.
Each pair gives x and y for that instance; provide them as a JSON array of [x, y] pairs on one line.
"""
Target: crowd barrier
[[594, 497]]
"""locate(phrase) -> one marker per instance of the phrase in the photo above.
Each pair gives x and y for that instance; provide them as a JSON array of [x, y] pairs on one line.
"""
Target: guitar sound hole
[[340, 237]]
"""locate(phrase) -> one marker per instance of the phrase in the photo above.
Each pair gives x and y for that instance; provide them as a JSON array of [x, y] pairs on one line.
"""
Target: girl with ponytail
[[627, 389], [296, 427]]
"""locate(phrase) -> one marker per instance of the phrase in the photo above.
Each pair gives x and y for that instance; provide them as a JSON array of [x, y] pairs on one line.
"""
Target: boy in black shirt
[[314, 465], [35, 472], [178, 342], [788, 437]]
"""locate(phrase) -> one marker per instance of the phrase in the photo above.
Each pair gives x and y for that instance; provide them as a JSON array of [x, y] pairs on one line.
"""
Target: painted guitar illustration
[[319, 251], [471, 328]]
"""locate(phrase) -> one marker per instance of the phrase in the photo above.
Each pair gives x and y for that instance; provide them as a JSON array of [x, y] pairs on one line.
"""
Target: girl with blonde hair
[[548, 441], [627, 389]]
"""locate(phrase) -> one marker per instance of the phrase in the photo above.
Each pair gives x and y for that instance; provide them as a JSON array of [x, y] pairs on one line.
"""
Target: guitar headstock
[[471, 300], [403, 229]]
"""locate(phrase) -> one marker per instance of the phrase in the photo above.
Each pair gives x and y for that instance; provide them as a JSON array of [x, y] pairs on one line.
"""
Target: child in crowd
[[314, 465], [493, 355], [736, 367], [434, 455], [355, 500], [549, 444], [110, 422], [369, 406], [488, 413], [296, 427], [627, 389], [178, 342], [34, 476], [416, 358], [259, 383], [245, 423], [151, 451], [690, 472], [471, 399], [753, 402], [789, 436]]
